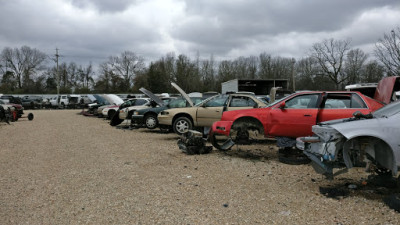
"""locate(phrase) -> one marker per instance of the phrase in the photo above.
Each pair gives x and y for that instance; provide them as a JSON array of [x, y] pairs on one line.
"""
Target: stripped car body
[[205, 113], [363, 140]]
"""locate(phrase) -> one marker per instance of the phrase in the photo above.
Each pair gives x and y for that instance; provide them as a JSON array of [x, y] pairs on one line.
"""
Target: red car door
[[296, 118], [341, 105]]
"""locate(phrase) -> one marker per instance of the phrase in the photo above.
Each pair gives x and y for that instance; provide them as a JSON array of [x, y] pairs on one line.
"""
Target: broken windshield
[[388, 110]]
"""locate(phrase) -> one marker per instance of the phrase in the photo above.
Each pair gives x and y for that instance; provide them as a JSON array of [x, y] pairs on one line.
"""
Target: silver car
[[371, 140]]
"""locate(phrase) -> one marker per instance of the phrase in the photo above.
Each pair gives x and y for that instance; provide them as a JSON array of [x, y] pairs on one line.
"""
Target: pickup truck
[[65, 101]]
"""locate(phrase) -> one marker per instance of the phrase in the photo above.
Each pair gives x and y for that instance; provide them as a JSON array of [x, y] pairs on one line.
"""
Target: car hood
[[385, 88], [152, 96], [183, 93], [114, 99]]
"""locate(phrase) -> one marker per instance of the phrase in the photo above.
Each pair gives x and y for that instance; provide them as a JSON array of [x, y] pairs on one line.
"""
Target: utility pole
[[57, 76], [293, 75]]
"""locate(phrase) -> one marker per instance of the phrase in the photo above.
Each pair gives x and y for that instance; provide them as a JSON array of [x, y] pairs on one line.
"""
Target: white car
[[140, 103]]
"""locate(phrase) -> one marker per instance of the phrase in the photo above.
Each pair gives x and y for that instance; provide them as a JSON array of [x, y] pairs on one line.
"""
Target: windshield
[[279, 100], [388, 110], [221, 97]]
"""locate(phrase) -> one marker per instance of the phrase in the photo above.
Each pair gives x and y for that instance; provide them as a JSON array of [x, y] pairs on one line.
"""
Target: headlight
[[164, 113], [136, 113]]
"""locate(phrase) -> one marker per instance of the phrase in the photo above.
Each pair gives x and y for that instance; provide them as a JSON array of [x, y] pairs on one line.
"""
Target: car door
[[210, 111], [294, 117], [341, 105]]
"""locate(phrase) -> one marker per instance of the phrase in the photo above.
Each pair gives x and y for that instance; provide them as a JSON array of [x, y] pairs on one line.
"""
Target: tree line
[[330, 65]]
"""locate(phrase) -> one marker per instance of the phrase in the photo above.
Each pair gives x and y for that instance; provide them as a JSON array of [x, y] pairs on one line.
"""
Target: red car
[[290, 117]]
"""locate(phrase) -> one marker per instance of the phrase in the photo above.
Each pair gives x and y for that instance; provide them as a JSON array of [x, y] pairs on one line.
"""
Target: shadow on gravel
[[377, 188]]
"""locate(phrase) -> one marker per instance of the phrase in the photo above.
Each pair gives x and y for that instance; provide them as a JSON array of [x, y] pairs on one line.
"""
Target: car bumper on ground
[[221, 127]]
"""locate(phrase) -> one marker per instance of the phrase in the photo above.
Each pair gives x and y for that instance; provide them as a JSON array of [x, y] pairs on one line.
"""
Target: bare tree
[[23, 62], [126, 66], [353, 65], [330, 56], [86, 75], [387, 50], [373, 72]]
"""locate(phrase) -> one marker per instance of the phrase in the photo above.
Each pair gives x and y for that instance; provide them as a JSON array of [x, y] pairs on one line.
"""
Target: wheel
[[30, 116], [151, 121], [110, 114], [182, 125], [221, 142], [293, 156]]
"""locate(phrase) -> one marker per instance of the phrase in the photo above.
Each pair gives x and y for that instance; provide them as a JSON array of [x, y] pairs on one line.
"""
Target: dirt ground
[[65, 168]]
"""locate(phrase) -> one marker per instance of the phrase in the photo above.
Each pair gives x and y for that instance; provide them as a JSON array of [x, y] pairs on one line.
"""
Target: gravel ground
[[64, 168]]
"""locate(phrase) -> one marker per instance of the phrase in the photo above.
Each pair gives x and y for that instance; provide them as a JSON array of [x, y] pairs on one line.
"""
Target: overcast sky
[[92, 30]]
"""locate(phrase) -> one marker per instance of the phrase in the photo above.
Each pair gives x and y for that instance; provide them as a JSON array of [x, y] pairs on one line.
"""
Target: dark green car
[[148, 117]]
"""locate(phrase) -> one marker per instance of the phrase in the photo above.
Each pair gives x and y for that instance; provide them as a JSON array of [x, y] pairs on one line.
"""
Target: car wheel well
[[372, 149], [250, 123], [149, 113], [182, 115]]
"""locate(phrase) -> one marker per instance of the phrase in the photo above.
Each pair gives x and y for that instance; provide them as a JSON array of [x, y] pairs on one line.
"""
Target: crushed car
[[365, 140], [206, 112]]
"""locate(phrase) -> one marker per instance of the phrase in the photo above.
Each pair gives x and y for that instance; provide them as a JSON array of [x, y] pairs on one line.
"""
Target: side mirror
[[282, 105], [255, 106]]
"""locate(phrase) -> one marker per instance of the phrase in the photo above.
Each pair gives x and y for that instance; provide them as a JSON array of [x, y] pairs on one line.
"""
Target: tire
[[110, 114], [292, 157], [182, 125], [30, 116], [151, 121], [219, 143]]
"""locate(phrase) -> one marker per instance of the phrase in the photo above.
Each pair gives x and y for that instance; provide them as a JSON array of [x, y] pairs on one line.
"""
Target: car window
[[217, 101], [242, 101], [344, 101], [140, 102], [302, 102], [177, 103]]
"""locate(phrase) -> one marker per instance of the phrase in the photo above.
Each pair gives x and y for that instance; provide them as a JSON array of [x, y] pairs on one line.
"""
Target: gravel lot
[[64, 168]]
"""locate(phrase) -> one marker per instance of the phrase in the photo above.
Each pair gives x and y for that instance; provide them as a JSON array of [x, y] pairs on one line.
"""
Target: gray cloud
[[93, 30]]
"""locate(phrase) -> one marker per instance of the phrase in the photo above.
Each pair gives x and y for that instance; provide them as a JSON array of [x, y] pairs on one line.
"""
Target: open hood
[[152, 96], [385, 89], [115, 99], [182, 93]]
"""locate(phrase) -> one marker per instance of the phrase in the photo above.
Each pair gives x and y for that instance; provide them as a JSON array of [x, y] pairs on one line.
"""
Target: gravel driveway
[[64, 168]]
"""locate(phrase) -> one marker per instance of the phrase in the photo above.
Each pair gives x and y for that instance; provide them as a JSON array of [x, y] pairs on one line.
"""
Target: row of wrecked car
[[334, 130], [305, 124]]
